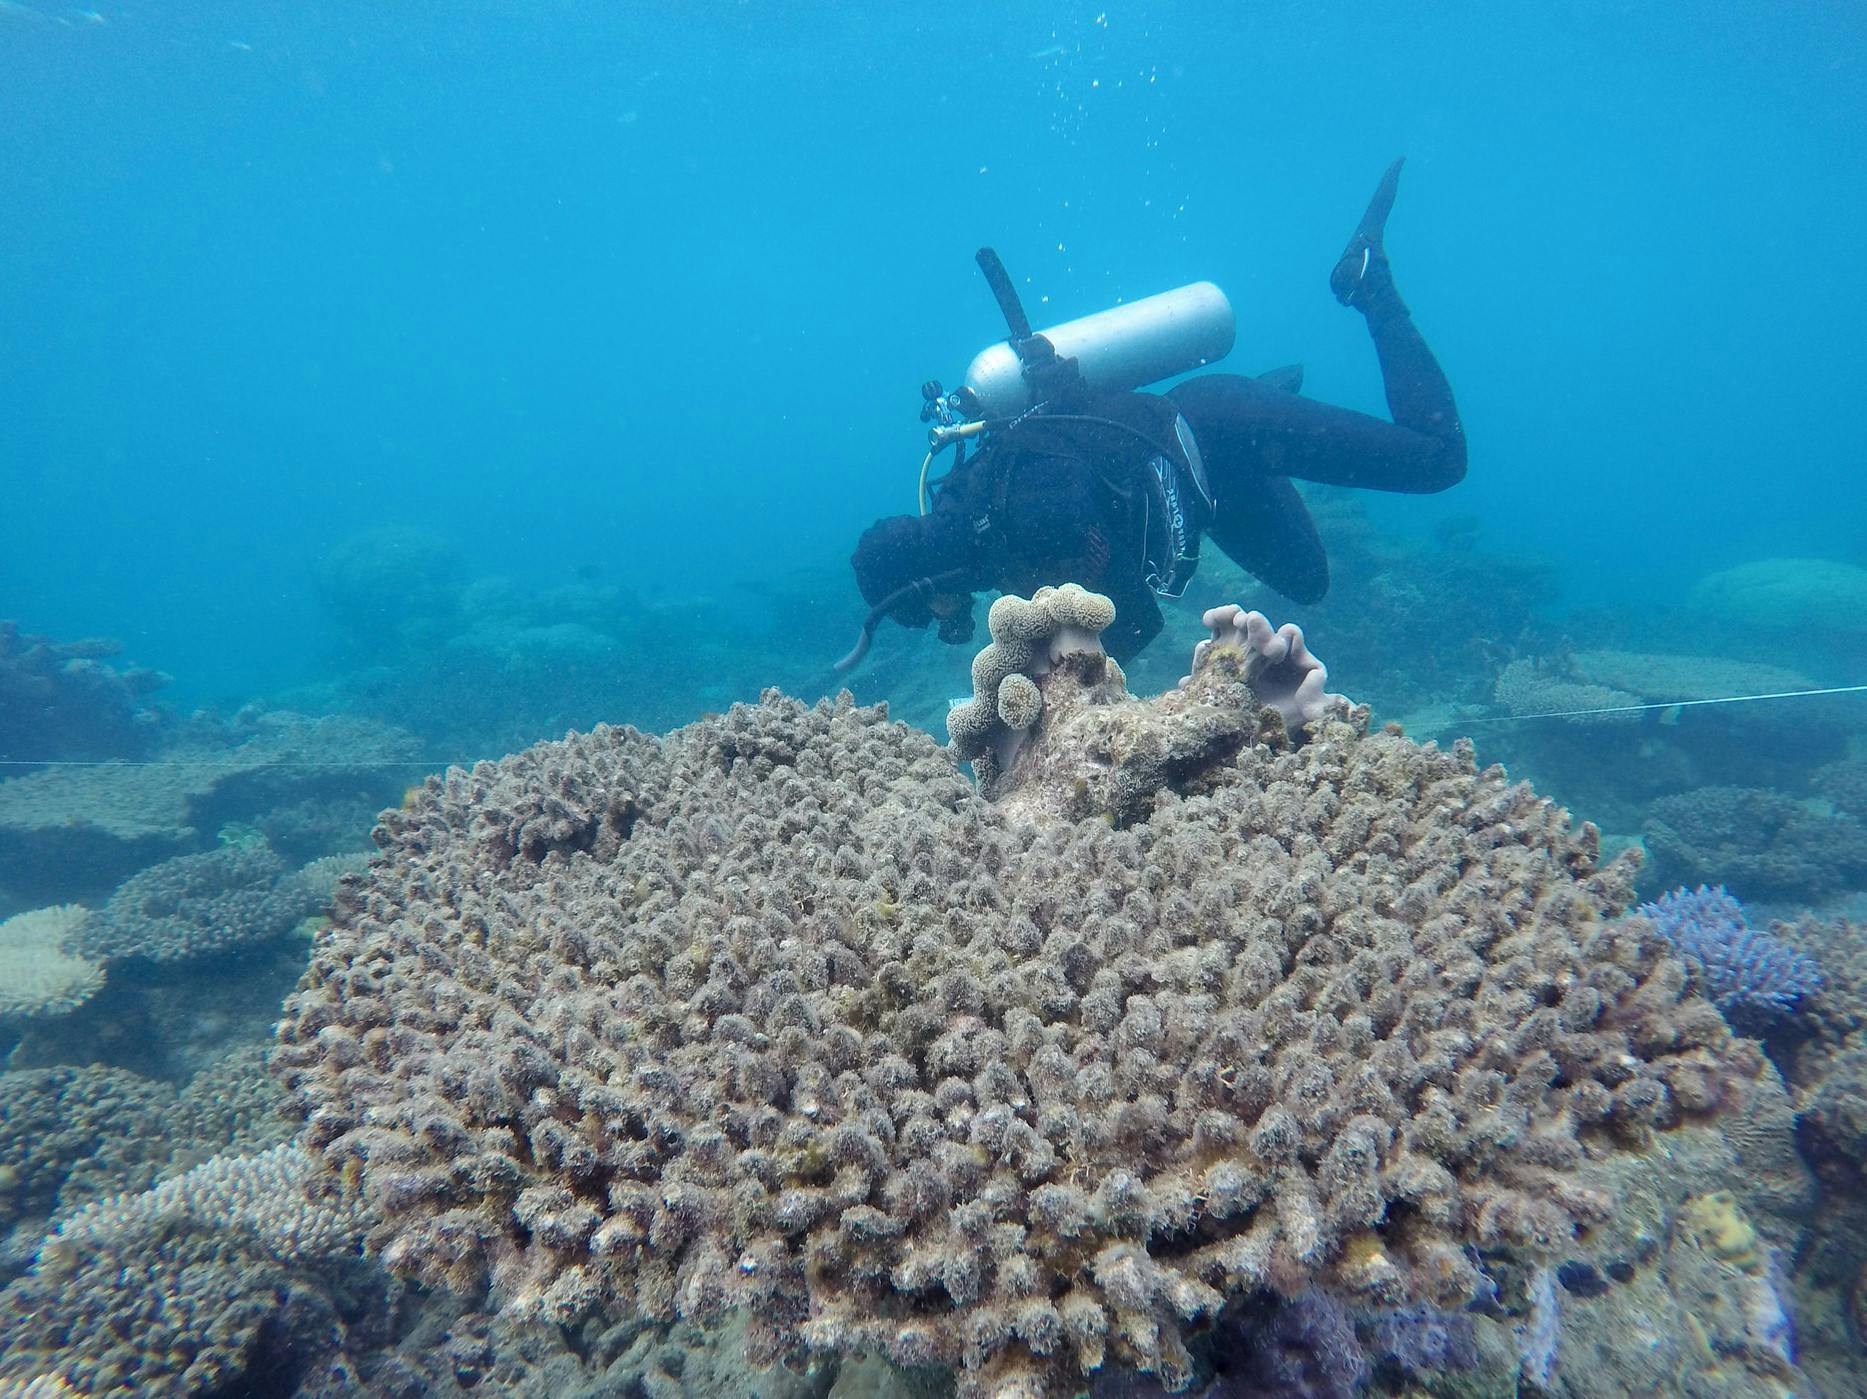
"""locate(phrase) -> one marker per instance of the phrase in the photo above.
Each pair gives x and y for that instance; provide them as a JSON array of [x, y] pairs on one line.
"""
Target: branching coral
[[199, 905], [775, 1013], [1750, 975], [1761, 842], [191, 1287]]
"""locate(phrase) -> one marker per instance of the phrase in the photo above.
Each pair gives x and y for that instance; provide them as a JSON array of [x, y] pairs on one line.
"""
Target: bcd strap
[[1006, 295], [1053, 379]]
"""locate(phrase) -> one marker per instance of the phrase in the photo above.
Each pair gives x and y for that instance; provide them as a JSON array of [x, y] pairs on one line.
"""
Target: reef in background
[[65, 700]]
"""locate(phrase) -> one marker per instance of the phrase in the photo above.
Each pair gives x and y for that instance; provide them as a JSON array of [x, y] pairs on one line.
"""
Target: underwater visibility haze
[[460, 934]]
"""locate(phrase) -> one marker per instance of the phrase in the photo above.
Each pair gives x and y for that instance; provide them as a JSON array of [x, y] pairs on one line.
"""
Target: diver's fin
[[1374, 218], [1364, 248], [1288, 378]]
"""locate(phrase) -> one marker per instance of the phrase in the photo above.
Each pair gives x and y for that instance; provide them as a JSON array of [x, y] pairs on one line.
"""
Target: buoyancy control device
[[1125, 347]]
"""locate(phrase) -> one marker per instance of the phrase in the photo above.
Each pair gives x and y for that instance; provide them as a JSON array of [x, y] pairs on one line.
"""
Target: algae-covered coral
[[778, 1013]]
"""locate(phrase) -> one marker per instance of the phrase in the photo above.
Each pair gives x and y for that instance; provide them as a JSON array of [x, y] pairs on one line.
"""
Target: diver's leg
[[1266, 530], [1247, 432], [1418, 395], [1248, 429]]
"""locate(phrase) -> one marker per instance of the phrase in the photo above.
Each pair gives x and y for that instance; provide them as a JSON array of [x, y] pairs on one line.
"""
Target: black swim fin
[[1349, 279], [1288, 378]]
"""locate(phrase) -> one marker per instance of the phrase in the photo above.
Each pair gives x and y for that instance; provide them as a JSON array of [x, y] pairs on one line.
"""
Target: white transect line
[[469, 762], [1669, 704]]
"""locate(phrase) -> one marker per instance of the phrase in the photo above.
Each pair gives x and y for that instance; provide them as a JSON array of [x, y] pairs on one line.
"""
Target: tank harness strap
[[1052, 377], [1009, 306]]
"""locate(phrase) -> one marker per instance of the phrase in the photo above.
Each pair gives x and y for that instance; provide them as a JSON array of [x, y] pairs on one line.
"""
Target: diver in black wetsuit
[[1113, 491]]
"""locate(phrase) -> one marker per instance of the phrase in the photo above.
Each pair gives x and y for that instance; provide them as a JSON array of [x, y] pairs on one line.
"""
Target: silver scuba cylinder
[[1125, 347]]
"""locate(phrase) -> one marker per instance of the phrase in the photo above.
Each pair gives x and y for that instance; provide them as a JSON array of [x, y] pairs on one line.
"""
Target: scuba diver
[[1079, 478]]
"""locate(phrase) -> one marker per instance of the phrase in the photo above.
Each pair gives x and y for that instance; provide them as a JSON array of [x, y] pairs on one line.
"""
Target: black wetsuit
[[1060, 497]]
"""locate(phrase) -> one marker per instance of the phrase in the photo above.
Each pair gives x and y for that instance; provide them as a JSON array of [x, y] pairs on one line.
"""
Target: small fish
[[240, 44], [92, 16], [1054, 51]]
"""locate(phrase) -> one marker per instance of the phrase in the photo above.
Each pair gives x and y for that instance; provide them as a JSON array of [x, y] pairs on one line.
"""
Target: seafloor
[[1205, 1056]]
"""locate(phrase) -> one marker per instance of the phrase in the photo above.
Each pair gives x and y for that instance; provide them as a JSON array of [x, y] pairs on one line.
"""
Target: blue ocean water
[[411, 383], [652, 288]]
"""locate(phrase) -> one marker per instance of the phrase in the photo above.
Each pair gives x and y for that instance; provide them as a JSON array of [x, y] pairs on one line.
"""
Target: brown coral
[[776, 1013], [68, 1135]]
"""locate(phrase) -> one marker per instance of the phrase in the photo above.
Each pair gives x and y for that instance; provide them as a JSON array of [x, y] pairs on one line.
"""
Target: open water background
[[652, 287]]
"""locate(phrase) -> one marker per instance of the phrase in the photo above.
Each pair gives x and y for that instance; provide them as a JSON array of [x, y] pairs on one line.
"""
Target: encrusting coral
[[776, 1013]]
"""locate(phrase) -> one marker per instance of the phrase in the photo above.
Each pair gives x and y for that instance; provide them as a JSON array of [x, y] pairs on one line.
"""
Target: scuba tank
[[1125, 347]]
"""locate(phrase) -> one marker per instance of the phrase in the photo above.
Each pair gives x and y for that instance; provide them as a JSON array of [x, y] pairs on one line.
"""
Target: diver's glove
[[1361, 274]]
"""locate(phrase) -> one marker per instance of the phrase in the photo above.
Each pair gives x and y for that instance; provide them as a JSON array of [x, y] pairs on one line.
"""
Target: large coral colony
[[1208, 1001]]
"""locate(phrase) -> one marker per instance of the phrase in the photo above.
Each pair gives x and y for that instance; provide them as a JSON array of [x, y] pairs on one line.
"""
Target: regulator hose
[[919, 588]]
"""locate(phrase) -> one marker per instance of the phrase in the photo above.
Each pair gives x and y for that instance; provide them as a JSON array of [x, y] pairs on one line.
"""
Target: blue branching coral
[[1746, 973]]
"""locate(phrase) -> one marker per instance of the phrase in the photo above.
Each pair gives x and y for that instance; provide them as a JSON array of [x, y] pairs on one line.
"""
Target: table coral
[[76, 832], [37, 976], [776, 1013]]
